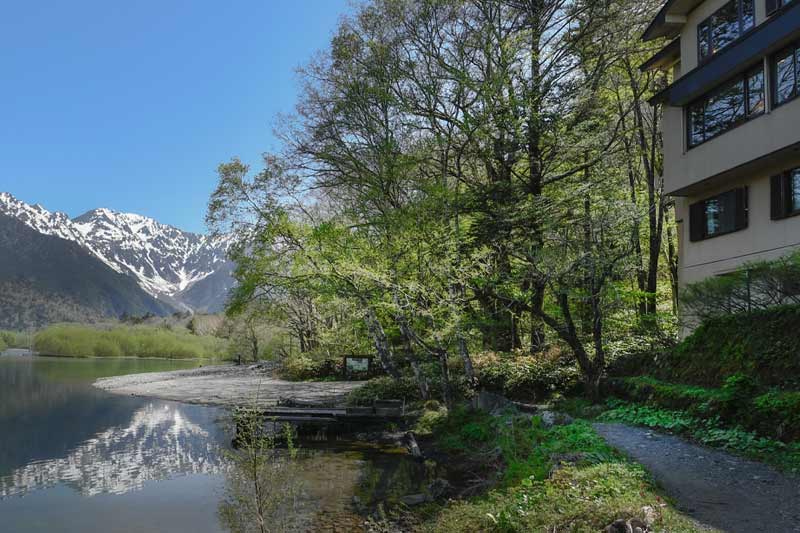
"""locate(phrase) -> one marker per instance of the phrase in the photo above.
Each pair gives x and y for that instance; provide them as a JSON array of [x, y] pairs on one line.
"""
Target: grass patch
[[564, 478], [575, 499], [126, 341]]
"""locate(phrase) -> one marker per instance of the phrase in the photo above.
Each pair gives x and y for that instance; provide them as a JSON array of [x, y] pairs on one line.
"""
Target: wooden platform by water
[[382, 410]]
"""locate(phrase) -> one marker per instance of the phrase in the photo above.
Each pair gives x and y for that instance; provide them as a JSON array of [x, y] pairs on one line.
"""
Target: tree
[[453, 176]]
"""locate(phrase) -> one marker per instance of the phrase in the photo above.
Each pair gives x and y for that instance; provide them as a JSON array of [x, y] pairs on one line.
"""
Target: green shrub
[[774, 414], [126, 341], [305, 368], [430, 419], [13, 339], [758, 285], [384, 388], [777, 413], [521, 376], [761, 345]]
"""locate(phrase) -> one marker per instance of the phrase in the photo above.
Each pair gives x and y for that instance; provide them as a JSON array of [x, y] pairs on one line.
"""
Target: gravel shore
[[225, 385]]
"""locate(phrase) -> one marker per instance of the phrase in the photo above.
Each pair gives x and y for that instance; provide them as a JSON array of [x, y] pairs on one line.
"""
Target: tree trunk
[[447, 394], [381, 342]]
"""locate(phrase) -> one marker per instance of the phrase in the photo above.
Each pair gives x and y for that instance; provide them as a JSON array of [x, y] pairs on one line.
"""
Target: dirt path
[[225, 385], [714, 487]]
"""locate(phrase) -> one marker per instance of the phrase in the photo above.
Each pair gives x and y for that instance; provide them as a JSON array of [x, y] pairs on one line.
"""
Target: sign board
[[357, 364]]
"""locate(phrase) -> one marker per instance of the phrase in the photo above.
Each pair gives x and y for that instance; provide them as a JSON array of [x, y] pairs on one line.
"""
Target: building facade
[[731, 129]]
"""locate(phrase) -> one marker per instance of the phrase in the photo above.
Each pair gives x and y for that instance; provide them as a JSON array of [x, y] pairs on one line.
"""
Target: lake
[[77, 459]]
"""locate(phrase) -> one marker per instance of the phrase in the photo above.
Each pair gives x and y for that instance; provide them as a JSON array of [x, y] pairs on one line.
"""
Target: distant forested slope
[[45, 279]]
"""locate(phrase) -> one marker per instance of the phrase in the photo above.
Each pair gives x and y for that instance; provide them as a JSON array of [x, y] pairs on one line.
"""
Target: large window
[[732, 103], [785, 194], [725, 26], [774, 5], [785, 71], [718, 215]]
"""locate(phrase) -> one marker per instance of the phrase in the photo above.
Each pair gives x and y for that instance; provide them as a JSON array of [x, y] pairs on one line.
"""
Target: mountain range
[[103, 264]]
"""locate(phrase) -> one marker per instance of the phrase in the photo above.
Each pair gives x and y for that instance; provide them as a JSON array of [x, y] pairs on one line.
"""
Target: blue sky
[[132, 105]]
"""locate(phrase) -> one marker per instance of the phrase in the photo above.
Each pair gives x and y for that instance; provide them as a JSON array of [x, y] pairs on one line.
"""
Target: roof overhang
[[664, 58], [784, 157], [670, 19], [767, 38]]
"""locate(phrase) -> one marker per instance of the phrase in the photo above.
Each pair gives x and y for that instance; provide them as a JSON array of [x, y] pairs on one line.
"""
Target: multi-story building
[[731, 129]]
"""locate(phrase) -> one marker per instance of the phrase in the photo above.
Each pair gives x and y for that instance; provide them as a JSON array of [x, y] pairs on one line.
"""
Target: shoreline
[[223, 386]]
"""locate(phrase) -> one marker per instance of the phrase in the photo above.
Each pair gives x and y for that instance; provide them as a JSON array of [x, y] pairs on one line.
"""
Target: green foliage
[[576, 499], [525, 446], [262, 487], [520, 375], [594, 489], [126, 341], [432, 417], [709, 431], [13, 339], [756, 286], [773, 413], [384, 388], [305, 368], [761, 345]]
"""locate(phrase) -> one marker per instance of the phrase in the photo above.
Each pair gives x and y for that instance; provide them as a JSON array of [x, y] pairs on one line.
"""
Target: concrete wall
[[758, 137], [751, 140], [763, 239]]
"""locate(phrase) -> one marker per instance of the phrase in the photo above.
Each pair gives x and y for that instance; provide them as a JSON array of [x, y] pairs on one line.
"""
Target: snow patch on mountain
[[165, 261]]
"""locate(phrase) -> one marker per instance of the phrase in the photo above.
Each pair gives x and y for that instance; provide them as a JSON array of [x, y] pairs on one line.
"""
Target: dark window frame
[[706, 22], [773, 74], [781, 195], [775, 6], [698, 222], [744, 78]]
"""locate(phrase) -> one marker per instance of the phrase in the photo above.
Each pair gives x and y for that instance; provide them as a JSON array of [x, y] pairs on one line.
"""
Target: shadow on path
[[714, 487]]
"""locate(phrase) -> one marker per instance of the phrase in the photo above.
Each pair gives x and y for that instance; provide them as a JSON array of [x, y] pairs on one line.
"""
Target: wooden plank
[[278, 411]]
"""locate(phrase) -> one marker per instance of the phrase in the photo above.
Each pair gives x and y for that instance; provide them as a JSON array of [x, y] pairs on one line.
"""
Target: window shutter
[[697, 216], [772, 6], [777, 197], [741, 208]]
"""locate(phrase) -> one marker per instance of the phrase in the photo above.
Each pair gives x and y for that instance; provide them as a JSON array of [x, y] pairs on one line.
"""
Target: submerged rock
[[553, 418], [415, 499]]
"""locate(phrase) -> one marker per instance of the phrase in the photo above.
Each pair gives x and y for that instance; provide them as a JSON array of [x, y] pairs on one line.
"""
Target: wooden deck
[[380, 411]]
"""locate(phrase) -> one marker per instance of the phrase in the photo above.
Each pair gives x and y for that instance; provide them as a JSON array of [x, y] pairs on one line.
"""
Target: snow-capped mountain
[[186, 270]]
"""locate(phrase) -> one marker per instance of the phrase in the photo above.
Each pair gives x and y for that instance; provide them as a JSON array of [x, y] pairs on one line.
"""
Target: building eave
[[664, 58], [670, 19], [765, 39]]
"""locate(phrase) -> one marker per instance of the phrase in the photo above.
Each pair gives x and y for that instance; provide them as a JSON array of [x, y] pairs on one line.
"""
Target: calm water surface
[[77, 459]]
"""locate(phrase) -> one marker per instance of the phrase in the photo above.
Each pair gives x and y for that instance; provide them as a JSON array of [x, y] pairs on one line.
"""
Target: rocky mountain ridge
[[185, 270]]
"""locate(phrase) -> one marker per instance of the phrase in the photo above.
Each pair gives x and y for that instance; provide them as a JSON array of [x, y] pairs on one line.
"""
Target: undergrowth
[[709, 431], [564, 478]]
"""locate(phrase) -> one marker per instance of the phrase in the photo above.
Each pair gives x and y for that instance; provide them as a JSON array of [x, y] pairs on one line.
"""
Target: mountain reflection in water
[[55, 428], [158, 442]]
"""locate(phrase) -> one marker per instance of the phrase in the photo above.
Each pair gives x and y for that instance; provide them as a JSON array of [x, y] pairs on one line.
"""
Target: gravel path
[[714, 487], [226, 385]]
